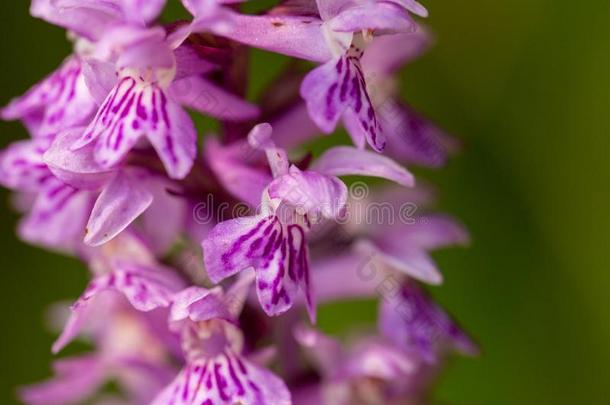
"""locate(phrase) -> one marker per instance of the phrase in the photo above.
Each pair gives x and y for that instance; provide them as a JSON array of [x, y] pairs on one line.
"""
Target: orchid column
[[210, 254]]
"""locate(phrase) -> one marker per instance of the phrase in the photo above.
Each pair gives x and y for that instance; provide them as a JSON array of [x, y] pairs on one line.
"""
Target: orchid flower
[[274, 242], [57, 212], [146, 100], [216, 370], [336, 34], [207, 253]]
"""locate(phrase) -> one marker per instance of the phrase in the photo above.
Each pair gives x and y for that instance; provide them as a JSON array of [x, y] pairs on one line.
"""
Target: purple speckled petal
[[177, 145], [76, 168], [338, 87], [144, 287], [346, 160], [204, 96], [58, 217], [413, 321], [311, 193], [225, 379], [62, 100], [22, 166], [119, 204], [134, 109], [76, 380], [277, 252]]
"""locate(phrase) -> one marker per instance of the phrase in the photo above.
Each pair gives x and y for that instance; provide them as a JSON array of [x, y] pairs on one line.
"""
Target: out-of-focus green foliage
[[525, 85]]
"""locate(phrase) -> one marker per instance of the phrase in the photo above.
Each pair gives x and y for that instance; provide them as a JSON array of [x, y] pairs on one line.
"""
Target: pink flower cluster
[[182, 311]]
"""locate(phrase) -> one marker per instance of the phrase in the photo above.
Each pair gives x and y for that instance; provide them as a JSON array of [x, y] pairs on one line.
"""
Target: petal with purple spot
[[277, 252], [225, 379], [144, 287], [338, 89]]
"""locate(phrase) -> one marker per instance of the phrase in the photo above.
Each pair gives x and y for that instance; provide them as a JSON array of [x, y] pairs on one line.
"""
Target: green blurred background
[[525, 84]]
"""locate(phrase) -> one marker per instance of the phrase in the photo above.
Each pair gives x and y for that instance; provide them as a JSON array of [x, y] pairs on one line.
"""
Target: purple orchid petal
[[138, 48], [189, 63], [311, 193], [244, 182], [144, 287], [100, 78], [412, 6], [22, 166], [58, 216], [430, 232], [161, 235], [414, 262], [198, 7], [358, 279], [330, 8], [204, 96], [142, 378], [336, 88], [198, 304], [225, 379], [62, 99], [88, 19], [376, 359], [77, 379], [135, 109], [345, 160], [145, 11], [121, 202], [412, 138], [380, 17], [76, 168], [91, 18], [413, 321], [300, 37], [407, 47], [277, 253], [405, 247]]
